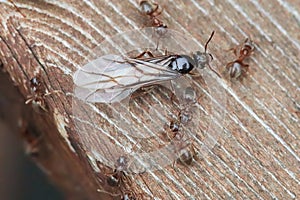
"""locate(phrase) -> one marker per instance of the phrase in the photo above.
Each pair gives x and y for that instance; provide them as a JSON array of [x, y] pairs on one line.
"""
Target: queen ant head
[[202, 59]]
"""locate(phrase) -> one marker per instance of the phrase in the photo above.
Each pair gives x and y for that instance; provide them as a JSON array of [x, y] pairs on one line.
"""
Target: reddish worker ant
[[238, 67], [38, 93], [152, 10], [186, 150]]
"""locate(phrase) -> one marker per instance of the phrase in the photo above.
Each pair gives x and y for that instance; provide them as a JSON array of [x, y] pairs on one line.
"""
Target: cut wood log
[[244, 133]]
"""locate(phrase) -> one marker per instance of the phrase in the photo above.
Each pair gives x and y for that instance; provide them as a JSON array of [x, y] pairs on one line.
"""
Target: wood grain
[[256, 154]]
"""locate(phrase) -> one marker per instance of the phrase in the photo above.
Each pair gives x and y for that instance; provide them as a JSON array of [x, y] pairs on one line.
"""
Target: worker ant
[[237, 67], [152, 10], [38, 93], [118, 176], [186, 149]]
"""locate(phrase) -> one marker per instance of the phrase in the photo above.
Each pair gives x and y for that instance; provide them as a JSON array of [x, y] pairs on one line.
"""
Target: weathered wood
[[256, 154]]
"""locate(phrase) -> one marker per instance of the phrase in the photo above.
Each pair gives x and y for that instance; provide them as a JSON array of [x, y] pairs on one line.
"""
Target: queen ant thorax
[[237, 67]]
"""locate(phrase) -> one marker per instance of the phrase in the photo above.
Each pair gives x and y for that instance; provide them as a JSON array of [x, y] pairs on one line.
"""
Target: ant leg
[[147, 186], [245, 68], [29, 99], [148, 52], [234, 49], [229, 65], [155, 9], [214, 71], [53, 92]]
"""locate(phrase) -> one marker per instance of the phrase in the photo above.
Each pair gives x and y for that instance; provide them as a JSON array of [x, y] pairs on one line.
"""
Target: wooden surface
[[255, 154]]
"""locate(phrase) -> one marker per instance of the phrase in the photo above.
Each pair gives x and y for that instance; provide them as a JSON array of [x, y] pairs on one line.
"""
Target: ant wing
[[112, 78], [102, 96]]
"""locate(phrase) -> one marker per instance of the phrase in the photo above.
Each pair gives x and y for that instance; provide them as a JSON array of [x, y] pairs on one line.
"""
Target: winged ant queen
[[111, 78]]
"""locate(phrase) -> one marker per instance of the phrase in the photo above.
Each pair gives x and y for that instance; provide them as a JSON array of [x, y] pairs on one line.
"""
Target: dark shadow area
[[20, 177]]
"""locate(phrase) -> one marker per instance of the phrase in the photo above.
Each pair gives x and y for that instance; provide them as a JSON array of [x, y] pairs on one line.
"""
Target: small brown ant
[[175, 125], [238, 67], [186, 150], [31, 143], [32, 139], [184, 115], [152, 10], [38, 93], [118, 176], [186, 154]]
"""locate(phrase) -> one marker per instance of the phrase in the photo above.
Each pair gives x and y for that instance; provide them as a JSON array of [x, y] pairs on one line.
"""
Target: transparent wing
[[112, 78]]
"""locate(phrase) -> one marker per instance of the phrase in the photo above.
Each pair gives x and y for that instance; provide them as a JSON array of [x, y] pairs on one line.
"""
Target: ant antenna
[[205, 47]]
